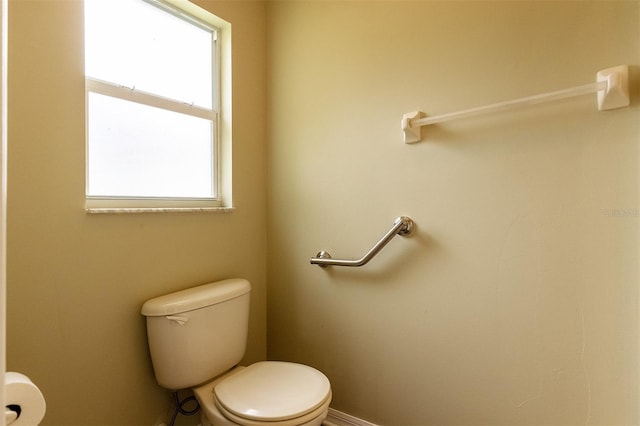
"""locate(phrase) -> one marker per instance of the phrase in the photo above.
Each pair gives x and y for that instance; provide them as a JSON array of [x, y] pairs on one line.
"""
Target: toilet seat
[[277, 393]]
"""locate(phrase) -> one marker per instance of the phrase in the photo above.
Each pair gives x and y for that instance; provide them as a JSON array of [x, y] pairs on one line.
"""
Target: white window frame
[[219, 114]]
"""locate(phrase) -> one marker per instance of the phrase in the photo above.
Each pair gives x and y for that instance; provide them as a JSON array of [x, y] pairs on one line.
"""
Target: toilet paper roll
[[22, 394]]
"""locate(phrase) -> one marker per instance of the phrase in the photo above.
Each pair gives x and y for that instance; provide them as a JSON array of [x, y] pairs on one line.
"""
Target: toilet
[[196, 339]]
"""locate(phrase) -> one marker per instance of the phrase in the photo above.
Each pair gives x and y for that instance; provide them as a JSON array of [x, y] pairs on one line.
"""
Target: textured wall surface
[[76, 282], [516, 302]]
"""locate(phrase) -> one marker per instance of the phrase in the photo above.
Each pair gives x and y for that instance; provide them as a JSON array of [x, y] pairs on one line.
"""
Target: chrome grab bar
[[402, 226]]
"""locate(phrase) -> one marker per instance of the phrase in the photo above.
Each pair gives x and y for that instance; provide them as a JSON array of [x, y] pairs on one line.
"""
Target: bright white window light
[[151, 107], [171, 156]]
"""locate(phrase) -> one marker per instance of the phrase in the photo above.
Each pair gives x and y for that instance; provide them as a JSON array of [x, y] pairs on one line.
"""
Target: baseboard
[[337, 418]]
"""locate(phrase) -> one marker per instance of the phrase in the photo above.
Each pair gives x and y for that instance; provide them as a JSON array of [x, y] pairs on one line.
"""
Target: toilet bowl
[[266, 393], [196, 339]]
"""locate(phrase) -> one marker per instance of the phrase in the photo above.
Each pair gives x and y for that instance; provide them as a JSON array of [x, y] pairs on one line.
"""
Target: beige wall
[[517, 300], [76, 281]]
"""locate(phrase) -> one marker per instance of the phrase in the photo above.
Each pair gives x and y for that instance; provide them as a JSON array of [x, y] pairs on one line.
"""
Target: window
[[153, 125]]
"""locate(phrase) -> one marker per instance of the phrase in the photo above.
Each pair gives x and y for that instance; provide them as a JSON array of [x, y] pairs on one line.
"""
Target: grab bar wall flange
[[403, 226]]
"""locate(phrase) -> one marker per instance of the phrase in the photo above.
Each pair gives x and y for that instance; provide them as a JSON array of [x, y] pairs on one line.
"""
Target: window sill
[[129, 210]]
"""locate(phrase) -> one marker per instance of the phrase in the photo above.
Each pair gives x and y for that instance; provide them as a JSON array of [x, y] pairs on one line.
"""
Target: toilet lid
[[273, 391]]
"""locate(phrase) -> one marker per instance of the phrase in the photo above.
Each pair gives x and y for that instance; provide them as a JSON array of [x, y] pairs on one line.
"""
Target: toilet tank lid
[[196, 297]]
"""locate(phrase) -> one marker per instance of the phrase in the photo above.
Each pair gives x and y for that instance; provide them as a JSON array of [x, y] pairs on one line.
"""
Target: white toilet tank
[[199, 333]]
